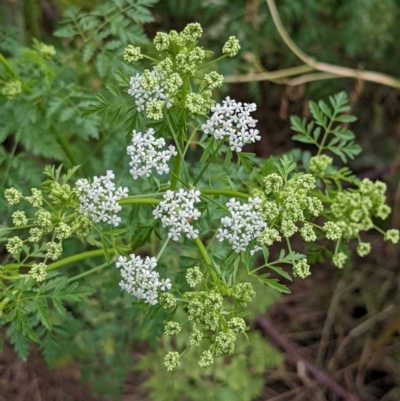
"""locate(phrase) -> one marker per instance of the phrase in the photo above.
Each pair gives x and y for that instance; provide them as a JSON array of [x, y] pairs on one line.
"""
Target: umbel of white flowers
[[245, 224], [146, 154], [140, 279], [99, 199], [232, 120], [177, 211]]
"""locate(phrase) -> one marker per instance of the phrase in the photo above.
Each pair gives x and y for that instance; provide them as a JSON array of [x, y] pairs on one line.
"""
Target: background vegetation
[[48, 125]]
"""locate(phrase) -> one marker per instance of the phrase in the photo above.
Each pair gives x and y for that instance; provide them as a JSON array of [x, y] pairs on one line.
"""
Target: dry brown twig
[[324, 70], [311, 369]]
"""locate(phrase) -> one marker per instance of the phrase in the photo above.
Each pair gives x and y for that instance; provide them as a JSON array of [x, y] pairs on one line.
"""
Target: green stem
[[8, 66], [211, 62], [150, 58], [290, 249], [210, 159], [326, 133], [178, 161], [86, 273], [185, 184], [13, 277], [379, 230], [16, 228], [77, 258], [203, 251], [9, 164], [337, 245], [225, 192], [162, 249], [189, 142], [130, 200], [175, 171]]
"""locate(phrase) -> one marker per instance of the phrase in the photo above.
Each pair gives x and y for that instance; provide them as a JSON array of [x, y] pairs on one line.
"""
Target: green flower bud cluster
[[318, 165], [12, 89], [196, 337], [46, 51], [60, 222], [43, 221], [63, 231], [307, 232], [225, 343], [12, 196], [54, 250], [19, 219], [132, 54], [237, 325], [171, 360], [36, 199], [14, 245], [38, 271], [194, 276], [242, 293], [206, 359], [172, 328], [231, 47], [290, 204], [198, 103], [62, 195], [203, 309], [168, 84], [363, 248], [81, 226], [167, 300], [353, 210], [154, 110], [339, 259], [332, 231], [207, 317], [392, 235], [301, 269], [213, 80]]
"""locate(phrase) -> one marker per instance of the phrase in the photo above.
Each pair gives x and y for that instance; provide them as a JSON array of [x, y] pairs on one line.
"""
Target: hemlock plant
[[221, 216]]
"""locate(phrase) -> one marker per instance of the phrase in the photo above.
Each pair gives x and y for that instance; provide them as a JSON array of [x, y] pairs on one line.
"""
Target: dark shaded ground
[[347, 325]]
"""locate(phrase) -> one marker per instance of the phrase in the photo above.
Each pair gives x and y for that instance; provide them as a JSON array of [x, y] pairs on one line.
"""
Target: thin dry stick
[[327, 71], [329, 321], [357, 331], [311, 369]]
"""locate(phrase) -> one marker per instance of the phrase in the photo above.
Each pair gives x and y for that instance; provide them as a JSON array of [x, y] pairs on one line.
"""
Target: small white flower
[[140, 279], [99, 199], [145, 154], [244, 225], [159, 92], [232, 120], [177, 211], [165, 284]]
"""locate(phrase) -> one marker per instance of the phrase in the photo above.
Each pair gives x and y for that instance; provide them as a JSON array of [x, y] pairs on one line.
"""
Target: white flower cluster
[[232, 120], [145, 154], [99, 199], [154, 90], [140, 279], [177, 212], [244, 225]]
